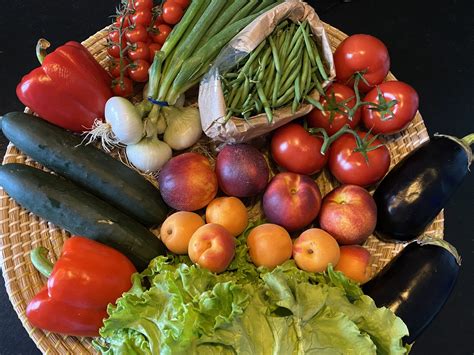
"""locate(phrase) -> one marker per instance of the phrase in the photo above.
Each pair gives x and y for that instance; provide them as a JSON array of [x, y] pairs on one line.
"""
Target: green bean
[[285, 98], [292, 72], [292, 60], [258, 105], [305, 75], [294, 105], [276, 59], [263, 63], [251, 59], [276, 88], [296, 37], [265, 104], [269, 80], [298, 88], [317, 83], [319, 63]]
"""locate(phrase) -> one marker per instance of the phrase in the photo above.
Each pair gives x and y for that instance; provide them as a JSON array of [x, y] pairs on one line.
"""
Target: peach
[[269, 245], [177, 229], [212, 247], [314, 250], [188, 182], [291, 201], [349, 214], [230, 213], [354, 262]]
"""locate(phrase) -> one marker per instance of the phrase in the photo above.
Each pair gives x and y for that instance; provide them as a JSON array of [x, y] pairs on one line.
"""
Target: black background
[[431, 44]]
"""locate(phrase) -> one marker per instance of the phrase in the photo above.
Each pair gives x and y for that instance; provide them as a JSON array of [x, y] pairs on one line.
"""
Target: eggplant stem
[[39, 260]]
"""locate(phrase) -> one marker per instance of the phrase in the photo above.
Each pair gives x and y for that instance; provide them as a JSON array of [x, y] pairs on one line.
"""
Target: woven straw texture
[[22, 231]]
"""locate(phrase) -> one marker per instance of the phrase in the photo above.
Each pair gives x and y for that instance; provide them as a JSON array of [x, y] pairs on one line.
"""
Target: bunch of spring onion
[[284, 69]]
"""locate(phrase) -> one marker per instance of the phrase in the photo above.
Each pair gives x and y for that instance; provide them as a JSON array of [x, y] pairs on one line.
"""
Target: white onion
[[184, 127], [148, 155], [124, 119]]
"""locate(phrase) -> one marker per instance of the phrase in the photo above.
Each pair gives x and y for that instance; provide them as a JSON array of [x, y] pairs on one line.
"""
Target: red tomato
[[114, 67], [153, 48], [136, 34], [141, 4], [138, 70], [114, 38], [172, 13], [330, 119], [183, 3], [393, 117], [159, 20], [126, 21], [139, 50], [142, 17], [359, 53], [294, 149], [160, 33], [349, 166], [113, 50], [124, 88]]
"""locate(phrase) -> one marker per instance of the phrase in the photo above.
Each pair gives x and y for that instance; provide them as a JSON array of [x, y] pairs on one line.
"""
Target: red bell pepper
[[70, 88], [86, 278]]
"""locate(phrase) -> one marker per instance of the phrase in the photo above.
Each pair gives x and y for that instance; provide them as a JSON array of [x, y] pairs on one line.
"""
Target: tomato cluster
[[360, 94], [138, 32]]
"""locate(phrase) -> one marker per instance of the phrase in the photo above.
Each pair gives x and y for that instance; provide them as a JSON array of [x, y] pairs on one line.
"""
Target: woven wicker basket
[[22, 231]]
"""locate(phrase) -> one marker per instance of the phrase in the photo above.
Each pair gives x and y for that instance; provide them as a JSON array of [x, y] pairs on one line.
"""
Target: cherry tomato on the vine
[[141, 4], [294, 149], [136, 33], [126, 21], [139, 50], [114, 38], [114, 67], [122, 88], [362, 53], [113, 50], [142, 17], [172, 13], [399, 103], [335, 116], [153, 48], [160, 33], [138, 70], [350, 166], [159, 20], [183, 3]]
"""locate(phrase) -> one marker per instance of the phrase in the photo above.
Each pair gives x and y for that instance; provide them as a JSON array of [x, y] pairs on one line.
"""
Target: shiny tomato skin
[[160, 33], [141, 4], [321, 119], [350, 167], [142, 17], [403, 112], [152, 49], [114, 67], [138, 71], [136, 34], [125, 89], [139, 50], [358, 53], [295, 150], [115, 39], [172, 13]]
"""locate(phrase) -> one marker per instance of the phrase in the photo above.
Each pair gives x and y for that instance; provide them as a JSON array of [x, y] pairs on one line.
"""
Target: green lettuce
[[175, 307]]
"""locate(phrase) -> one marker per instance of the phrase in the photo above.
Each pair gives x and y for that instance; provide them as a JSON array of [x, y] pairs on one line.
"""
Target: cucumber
[[87, 166], [68, 206]]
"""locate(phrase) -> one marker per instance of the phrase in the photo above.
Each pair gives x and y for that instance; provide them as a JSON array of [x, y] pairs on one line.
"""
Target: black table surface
[[431, 44]]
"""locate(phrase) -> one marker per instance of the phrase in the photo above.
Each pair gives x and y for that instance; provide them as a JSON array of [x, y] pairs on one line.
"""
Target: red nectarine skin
[[187, 182], [354, 262], [242, 170], [212, 247], [349, 214], [291, 201]]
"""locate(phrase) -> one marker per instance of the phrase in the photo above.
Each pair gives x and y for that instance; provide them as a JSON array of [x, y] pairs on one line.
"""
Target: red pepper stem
[[41, 48], [40, 261]]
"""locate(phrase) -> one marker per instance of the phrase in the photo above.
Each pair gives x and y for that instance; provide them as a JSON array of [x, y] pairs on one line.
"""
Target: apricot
[[269, 245], [212, 247], [354, 262], [230, 213], [177, 229], [314, 250]]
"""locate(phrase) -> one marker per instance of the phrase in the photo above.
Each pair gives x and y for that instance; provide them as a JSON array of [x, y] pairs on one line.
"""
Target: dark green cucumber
[[68, 206], [85, 165]]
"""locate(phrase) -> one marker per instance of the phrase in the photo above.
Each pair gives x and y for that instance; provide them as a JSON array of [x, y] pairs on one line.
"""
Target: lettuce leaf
[[175, 307]]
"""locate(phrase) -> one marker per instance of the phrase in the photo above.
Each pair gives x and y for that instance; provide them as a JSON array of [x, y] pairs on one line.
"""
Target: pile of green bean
[[281, 71]]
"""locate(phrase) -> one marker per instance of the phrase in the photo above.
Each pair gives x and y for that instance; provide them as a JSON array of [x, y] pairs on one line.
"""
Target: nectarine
[[354, 262]]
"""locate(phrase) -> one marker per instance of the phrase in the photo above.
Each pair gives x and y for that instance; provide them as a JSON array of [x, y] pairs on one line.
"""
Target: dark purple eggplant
[[417, 283], [417, 188]]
